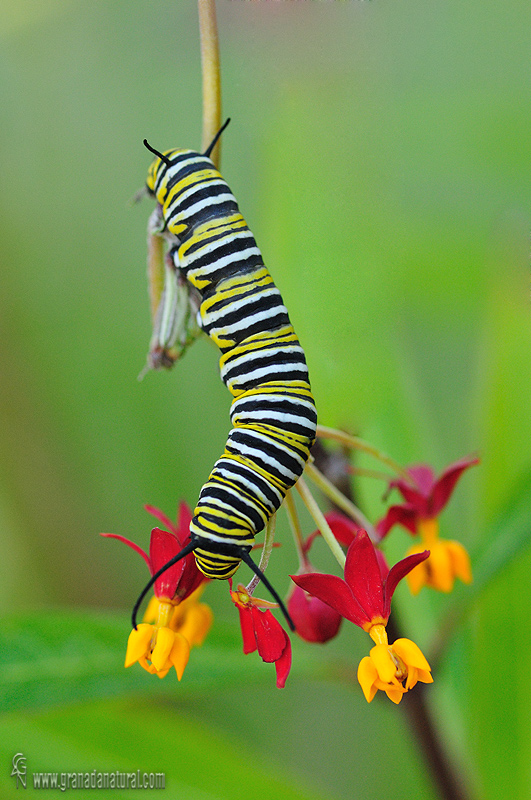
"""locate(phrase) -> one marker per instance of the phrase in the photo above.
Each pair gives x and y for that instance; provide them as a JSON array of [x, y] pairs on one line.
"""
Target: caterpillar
[[262, 363]]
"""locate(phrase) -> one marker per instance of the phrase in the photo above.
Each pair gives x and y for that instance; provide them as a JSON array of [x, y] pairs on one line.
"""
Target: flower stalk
[[339, 499], [269, 540], [211, 72], [319, 519], [355, 443]]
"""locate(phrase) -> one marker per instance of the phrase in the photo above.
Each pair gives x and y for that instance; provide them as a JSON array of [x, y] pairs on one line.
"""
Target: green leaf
[[199, 762], [65, 656]]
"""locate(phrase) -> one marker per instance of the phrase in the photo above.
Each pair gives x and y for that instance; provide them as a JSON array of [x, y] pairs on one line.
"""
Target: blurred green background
[[380, 153]]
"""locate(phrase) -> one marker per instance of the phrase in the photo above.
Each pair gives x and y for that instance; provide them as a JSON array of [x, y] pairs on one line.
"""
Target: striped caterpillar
[[216, 259]]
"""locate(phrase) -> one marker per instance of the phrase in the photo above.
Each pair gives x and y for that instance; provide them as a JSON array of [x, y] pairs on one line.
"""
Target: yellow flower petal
[[383, 662], [395, 694], [138, 643], [196, 624], [179, 655], [424, 676], [440, 572], [418, 577], [162, 673], [163, 646], [412, 677], [460, 561], [151, 610], [147, 665], [410, 653], [367, 676]]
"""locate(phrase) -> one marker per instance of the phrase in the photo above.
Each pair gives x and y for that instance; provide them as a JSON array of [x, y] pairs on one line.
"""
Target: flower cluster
[[364, 598], [175, 620], [317, 603]]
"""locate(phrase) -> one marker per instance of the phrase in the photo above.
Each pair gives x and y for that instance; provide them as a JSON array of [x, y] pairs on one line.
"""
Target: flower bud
[[314, 620]]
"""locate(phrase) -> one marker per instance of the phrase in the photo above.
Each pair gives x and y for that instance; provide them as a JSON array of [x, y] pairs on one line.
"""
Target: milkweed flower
[[262, 632], [364, 598], [175, 620], [425, 497]]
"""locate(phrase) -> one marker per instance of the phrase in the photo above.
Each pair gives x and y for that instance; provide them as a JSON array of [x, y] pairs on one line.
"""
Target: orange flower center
[[429, 531]]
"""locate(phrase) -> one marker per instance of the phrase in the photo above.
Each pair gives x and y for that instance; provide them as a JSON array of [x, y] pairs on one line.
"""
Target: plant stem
[[295, 525], [269, 538], [320, 521], [339, 499], [355, 443], [210, 67]]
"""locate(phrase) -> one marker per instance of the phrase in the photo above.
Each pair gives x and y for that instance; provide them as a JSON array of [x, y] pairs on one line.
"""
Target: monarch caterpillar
[[262, 362]]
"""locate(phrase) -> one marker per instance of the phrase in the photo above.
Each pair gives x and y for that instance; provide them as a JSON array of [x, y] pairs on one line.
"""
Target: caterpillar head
[[168, 162], [163, 169]]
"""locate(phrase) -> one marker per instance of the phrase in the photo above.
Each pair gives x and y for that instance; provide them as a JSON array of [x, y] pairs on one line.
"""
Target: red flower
[[262, 632], [364, 598], [175, 620], [425, 496]]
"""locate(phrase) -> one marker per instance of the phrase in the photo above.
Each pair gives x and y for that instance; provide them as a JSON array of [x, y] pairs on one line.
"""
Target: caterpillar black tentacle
[[262, 362], [189, 548]]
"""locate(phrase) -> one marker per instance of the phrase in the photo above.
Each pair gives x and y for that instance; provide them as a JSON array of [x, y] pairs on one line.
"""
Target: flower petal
[[247, 626], [334, 592], [367, 676], [424, 477], [197, 623], [163, 646], [399, 571], [385, 666], [163, 547], [138, 643], [184, 518], [412, 493], [394, 693], [363, 576], [283, 664], [460, 561], [419, 576], [130, 544], [440, 572], [179, 654], [270, 636], [411, 654], [405, 515], [444, 487], [158, 514]]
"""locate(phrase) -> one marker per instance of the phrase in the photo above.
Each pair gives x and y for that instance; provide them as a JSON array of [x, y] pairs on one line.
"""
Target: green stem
[[210, 67], [339, 499], [355, 443], [319, 519], [269, 539], [295, 525]]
